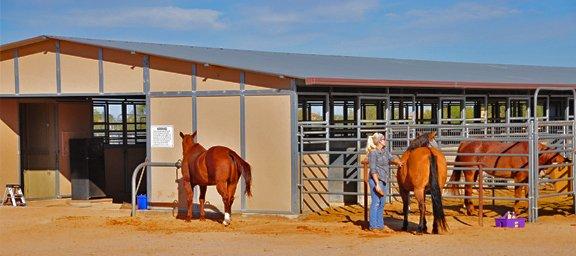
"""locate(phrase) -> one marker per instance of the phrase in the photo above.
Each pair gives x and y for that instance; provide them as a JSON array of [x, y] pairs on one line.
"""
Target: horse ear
[[181, 135], [194, 134], [432, 135]]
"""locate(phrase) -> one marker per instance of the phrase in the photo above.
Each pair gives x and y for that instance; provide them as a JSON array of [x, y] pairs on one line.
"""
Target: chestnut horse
[[218, 166], [424, 170], [517, 162]]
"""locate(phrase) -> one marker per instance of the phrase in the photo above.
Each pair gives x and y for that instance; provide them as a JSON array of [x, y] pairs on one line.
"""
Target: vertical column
[[146, 87], [16, 74], [242, 136], [100, 71], [296, 198], [194, 99], [58, 73]]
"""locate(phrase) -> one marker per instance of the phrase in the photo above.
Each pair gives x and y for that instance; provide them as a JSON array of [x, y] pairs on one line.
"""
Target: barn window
[[119, 121]]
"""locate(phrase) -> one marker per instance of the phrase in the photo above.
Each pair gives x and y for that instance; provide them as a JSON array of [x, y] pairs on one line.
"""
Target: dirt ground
[[64, 227]]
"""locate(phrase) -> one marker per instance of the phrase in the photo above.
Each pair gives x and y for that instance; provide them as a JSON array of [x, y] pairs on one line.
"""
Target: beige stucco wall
[[78, 68], [219, 124], [122, 71], [164, 112], [268, 150], [37, 68], [6, 72], [214, 78], [9, 143], [170, 75], [256, 81]]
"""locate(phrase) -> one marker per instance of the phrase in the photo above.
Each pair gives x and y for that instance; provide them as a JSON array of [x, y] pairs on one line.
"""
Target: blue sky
[[532, 32]]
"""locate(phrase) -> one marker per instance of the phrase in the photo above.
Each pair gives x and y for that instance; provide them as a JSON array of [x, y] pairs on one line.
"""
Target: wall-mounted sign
[[162, 136]]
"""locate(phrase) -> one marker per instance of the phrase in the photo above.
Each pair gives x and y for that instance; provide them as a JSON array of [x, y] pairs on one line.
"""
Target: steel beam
[[100, 71], [16, 73], [58, 73]]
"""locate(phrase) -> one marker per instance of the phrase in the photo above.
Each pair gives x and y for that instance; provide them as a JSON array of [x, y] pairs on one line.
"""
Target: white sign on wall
[[162, 136]]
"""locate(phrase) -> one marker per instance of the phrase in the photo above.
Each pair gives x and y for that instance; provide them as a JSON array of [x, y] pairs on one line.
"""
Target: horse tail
[[245, 169], [436, 193], [455, 177]]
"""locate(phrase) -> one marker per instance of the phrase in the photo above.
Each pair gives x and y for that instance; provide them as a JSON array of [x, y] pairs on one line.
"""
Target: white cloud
[[324, 12], [172, 18], [460, 12]]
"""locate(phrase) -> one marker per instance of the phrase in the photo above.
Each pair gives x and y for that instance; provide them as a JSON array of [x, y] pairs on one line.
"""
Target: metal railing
[[319, 147], [139, 170]]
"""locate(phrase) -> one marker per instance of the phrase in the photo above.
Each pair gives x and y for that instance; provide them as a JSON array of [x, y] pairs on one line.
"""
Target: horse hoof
[[404, 228], [226, 223], [188, 220], [202, 219]]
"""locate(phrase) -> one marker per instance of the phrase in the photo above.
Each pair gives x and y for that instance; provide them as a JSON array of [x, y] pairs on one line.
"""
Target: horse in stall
[[218, 166], [424, 170], [501, 162]]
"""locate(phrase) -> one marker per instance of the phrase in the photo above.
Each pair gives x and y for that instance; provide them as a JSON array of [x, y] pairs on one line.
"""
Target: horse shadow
[[212, 213]]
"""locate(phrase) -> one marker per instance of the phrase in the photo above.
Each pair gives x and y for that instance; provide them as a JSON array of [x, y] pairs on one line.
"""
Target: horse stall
[[334, 125], [300, 120]]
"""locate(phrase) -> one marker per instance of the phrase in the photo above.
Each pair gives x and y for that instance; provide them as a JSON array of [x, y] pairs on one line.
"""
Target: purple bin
[[510, 223]]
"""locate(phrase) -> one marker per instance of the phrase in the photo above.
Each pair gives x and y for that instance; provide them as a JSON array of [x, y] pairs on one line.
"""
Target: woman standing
[[379, 159]]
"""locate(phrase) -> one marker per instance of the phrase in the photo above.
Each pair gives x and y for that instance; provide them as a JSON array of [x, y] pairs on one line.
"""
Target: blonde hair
[[372, 141]]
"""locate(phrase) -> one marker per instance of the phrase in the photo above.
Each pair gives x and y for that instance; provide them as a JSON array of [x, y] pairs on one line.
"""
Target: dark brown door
[[39, 143]]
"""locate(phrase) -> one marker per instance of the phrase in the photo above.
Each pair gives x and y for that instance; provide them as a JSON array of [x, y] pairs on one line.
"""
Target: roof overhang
[[13, 45], [327, 81]]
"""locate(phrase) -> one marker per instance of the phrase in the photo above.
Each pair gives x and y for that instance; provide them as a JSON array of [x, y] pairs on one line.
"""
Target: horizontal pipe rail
[[140, 168]]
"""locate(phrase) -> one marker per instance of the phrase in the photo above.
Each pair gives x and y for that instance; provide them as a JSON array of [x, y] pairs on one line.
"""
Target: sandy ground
[[63, 227]]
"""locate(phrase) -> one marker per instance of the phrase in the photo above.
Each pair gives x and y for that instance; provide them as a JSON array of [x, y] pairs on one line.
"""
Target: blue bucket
[[142, 202]]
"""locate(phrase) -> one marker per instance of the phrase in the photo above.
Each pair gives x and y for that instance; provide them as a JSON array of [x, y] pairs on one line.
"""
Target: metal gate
[[330, 154]]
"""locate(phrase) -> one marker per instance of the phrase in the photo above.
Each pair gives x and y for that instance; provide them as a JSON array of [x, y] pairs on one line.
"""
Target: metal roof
[[329, 69]]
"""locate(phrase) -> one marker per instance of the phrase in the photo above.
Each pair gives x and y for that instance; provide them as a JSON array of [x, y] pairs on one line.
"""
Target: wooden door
[[39, 149]]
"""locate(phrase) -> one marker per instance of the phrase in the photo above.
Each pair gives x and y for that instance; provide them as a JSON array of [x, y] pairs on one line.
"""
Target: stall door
[[39, 150]]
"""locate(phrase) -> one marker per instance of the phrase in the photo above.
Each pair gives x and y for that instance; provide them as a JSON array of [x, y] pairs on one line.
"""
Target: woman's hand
[[379, 189]]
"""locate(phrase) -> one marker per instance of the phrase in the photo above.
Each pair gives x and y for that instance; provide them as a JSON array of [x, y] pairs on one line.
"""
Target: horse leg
[[469, 177], [228, 208], [222, 188], [202, 201], [405, 203], [189, 199], [419, 194], [518, 193]]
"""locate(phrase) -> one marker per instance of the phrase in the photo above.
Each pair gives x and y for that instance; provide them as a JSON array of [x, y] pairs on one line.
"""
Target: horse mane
[[421, 140]]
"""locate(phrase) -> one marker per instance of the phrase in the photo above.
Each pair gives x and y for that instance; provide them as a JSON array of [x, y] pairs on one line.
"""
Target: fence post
[[532, 168], [480, 195], [365, 174]]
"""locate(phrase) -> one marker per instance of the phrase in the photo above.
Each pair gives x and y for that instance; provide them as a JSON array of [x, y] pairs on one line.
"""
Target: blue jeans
[[377, 205]]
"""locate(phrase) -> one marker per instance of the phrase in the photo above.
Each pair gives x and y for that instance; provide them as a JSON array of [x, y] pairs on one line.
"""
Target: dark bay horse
[[516, 162], [218, 166], [424, 170]]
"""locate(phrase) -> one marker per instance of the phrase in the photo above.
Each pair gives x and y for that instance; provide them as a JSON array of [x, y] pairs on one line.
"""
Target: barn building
[[75, 109]]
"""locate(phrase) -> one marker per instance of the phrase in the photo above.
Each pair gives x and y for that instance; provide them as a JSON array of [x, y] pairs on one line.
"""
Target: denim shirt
[[379, 160]]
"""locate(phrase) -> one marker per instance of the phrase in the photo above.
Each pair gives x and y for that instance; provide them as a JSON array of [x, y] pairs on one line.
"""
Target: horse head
[[188, 141], [423, 140], [551, 158], [432, 140]]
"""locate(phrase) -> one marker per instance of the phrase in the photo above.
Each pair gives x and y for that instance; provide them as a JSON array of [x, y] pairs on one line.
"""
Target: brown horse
[[503, 162], [424, 170], [218, 166]]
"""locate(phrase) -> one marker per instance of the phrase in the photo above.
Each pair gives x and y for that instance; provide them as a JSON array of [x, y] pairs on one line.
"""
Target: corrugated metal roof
[[344, 67]]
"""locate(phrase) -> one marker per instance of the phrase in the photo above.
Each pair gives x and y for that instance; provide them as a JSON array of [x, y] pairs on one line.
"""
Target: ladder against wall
[[13, 195]]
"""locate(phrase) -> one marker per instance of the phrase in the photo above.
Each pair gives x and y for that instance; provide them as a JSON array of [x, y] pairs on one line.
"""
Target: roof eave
[[326, 81], [13, 45]]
